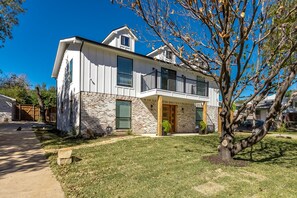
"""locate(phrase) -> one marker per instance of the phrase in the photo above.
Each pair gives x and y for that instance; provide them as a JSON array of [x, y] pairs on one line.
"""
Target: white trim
[[63, 44], [7, 97]]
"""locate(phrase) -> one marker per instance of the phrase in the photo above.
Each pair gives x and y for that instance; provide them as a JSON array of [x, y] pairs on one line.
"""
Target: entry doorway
[[169, 113]]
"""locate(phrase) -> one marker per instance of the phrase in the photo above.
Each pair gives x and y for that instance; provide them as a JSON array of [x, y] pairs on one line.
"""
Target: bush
[[202, 126], [166, 126]]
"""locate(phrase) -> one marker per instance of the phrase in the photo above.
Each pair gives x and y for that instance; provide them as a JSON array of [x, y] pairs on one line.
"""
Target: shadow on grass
[[54, 140], [272, 151]]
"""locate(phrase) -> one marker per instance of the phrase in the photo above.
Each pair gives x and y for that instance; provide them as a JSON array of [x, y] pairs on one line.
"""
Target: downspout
[[80, 59]]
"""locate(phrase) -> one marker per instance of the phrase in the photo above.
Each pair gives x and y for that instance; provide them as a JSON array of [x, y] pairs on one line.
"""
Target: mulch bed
[[215, 159]]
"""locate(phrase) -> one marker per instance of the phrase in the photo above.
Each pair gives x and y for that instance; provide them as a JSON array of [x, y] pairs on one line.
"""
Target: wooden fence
[[32, 113]]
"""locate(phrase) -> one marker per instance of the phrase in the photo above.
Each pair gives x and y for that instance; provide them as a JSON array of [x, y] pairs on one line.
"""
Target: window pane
[[124, 79], [125, 71], [123, 109], [70, 69], [125, 41], [199, 115], [123, 123], [123, 114]]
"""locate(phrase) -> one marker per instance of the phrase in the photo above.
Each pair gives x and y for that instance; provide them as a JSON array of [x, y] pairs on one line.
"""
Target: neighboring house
[[263, 107], [7, 108], [107, 84]]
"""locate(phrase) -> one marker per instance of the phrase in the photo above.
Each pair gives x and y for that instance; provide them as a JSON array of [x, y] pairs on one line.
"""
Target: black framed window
[[168, 54], [123, 114], [125, 41], [168, 79], [199, 115], [125, 72], [71, 70]]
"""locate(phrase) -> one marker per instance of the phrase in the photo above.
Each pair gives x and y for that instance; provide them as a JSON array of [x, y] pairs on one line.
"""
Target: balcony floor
[[173, 96]]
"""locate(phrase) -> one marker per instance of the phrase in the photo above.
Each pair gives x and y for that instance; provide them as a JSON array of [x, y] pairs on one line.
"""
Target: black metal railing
[[155, 80]]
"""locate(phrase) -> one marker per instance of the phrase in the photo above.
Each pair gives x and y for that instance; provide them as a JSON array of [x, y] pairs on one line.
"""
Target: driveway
[[24, 170]]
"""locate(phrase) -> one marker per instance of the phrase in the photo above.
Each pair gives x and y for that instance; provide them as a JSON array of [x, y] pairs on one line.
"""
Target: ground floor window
[[123, 114], [199, 115]]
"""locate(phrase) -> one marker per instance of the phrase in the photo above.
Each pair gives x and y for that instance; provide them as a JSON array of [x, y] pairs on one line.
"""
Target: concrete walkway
[[24, 170]]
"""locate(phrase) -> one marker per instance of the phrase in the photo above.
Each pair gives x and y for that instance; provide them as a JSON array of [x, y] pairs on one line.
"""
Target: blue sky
[[35, 40]]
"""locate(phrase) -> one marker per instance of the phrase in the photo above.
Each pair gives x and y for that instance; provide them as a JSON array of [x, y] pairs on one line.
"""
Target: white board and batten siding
[[66, 90], [99, 72]]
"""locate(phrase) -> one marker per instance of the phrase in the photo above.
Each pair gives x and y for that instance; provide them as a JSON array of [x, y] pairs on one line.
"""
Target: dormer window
[[168, 54], [125, 41]]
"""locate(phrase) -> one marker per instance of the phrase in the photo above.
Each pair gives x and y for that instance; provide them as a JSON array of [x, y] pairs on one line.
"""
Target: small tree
[[229, 41]]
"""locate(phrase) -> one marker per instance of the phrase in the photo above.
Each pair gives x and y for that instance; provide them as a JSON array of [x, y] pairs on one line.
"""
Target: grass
[[50, 140], [173, 167]]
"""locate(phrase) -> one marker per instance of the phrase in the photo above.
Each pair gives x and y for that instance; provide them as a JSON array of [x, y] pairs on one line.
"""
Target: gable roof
[[158, 49], [63, 44], [115, 31]]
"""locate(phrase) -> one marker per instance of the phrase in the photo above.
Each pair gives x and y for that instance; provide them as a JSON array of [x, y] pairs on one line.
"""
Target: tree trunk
[[225, 148], [41, 105]]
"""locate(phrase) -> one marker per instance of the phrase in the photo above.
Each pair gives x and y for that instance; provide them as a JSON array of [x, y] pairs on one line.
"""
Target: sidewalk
[[24, 171]]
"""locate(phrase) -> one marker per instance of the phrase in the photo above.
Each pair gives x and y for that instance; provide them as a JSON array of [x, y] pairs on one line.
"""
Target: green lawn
[[173, 167]]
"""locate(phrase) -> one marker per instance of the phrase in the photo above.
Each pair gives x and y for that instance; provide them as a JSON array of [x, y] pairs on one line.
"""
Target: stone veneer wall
[[99, 111], [185, 116], [212, 118]]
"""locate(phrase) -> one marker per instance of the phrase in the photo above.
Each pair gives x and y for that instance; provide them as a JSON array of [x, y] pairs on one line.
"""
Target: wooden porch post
[[160, 115], [205, 113]]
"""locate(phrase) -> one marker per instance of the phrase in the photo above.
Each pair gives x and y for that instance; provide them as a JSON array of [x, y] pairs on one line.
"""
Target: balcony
[[167, 83]]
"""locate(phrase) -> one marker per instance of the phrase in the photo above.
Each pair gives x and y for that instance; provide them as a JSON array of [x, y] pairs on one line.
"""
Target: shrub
[[129, 132], [166, 126], [202, 126]]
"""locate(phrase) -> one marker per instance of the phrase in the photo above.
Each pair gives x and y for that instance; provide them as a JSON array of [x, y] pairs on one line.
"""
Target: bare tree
[[41, 105], [222, 39]]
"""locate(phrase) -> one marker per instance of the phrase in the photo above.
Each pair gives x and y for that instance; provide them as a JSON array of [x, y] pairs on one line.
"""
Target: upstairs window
[[168, 54], [71, 70], [125, 72], [125, 41]]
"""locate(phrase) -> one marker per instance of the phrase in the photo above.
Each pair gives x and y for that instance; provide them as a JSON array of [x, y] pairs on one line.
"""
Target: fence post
[[33, 112], [20, 110]]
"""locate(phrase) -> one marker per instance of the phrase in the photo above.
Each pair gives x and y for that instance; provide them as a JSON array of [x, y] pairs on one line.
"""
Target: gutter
[[80, 59]]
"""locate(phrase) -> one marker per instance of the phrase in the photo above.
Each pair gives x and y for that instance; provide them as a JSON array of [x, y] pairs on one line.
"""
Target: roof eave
[[60, 53]]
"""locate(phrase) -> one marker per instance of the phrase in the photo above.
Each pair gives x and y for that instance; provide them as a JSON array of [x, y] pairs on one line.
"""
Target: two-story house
[[107, 84]]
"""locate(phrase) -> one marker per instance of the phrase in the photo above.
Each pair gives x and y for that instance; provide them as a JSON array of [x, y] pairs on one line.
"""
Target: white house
[[108, 84], [7, 108]]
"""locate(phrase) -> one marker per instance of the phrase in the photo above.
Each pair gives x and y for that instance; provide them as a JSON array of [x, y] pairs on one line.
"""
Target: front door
[[169, 113]]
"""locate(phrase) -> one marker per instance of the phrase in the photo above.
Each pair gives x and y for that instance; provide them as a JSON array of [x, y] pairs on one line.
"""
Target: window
[[125, 41], [70, 70], [201, 86], [62, 107], [168, 79], [125, 72], [199, 115], [168, 54], [123, 114]]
